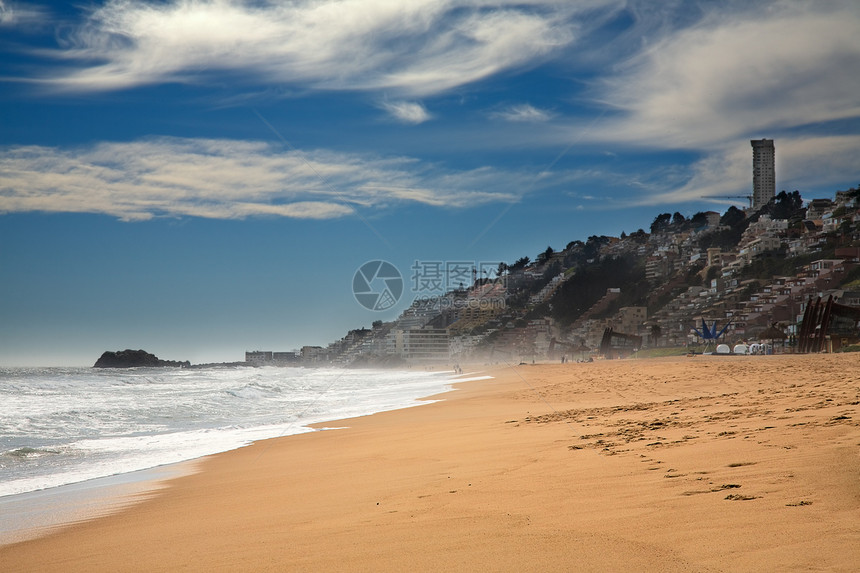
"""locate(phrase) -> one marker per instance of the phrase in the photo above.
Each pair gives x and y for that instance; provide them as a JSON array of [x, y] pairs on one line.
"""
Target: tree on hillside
[[732, 217], [655, 333], [661, 222], [593, 246], [785, 206], [727, 238], [699, 220], [678, 219], [578, 293], [545, 256], [519, 264], [640, 236]]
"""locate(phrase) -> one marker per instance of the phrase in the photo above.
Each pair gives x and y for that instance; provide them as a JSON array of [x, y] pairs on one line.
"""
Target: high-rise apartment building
[[764, 172]]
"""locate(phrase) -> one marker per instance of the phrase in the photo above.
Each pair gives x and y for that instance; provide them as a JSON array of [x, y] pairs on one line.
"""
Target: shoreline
[[37, 513], [657, 465]]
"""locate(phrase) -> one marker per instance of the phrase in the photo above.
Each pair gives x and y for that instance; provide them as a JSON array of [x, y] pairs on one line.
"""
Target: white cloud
[[705, 78], [413, 48], [222, 179], [739, 72], [722, 172], [7, 15], [801, 163], [804, 162], [407, 112], [17, 15], [707, 82], [522, 113]]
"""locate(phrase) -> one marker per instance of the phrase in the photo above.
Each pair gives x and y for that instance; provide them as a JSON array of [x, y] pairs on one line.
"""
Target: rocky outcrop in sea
[[135, 359]]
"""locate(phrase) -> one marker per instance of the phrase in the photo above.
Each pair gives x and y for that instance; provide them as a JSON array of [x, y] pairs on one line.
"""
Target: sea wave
[[60, 426]]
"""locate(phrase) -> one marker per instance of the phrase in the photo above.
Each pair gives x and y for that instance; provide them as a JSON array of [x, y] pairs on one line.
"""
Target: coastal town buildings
[[258, 356], [752, 273], [426, 345]]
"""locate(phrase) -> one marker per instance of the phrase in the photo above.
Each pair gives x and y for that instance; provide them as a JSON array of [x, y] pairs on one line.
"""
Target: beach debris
[[738, 497], [820, 320]]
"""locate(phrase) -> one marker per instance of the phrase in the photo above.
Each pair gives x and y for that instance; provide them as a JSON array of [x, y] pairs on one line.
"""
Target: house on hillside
[[817, 208]]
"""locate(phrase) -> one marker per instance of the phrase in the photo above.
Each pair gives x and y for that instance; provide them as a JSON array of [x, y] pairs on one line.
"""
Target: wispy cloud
[[522, 113], [19, 15], [414, 48], [704, 78], [738, 72], [407, 112], [802, 162], [224, 179], [709, 79]]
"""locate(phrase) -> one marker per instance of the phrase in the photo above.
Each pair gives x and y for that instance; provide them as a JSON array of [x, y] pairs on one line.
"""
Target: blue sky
[[200, 178]]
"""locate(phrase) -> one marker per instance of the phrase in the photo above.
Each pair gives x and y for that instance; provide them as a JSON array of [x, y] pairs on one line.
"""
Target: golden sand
[[683, 464]]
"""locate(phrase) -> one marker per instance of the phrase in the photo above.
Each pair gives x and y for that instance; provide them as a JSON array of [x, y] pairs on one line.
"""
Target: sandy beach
[[682, 464]]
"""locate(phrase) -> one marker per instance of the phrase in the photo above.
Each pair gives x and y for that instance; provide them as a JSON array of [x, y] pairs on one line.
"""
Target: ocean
[[61, 426]]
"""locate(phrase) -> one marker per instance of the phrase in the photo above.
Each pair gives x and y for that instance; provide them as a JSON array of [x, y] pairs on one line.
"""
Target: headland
[[135, 359]]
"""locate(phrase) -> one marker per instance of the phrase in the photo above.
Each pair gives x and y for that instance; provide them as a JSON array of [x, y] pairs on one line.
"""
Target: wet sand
[[682, 464], [33, 514]]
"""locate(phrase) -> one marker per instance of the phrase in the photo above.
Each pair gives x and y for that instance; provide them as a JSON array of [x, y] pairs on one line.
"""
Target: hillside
[[746, 271]]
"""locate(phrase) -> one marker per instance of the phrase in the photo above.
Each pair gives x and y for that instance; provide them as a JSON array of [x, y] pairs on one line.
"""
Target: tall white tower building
[[764, 172]]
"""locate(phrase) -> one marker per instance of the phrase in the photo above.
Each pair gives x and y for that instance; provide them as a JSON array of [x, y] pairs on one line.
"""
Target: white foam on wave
[[86, 476], [101, 424]]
